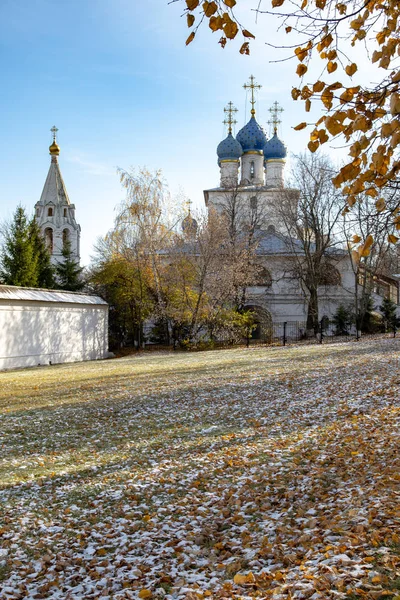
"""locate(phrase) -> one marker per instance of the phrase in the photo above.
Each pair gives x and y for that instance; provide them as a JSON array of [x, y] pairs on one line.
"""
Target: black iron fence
[[290, 332], [284, 333]]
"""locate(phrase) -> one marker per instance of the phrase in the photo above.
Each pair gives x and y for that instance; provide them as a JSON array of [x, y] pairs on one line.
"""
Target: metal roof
[[11, 292]]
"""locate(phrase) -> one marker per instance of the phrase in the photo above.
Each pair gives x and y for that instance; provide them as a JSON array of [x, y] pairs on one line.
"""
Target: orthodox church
[[252, 171], [54, 212]]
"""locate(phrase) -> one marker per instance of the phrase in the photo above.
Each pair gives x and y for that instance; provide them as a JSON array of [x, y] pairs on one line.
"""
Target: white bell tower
[[54, 212]]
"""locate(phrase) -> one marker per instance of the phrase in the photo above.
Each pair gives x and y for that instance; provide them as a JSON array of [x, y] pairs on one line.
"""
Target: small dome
[[54, 149], [275, 149], [229, 149], [189, 225], [252, 136]]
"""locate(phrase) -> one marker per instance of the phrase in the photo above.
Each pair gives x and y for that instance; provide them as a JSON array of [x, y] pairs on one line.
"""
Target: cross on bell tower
[[275, 120], [252, 86], [54, 132], [229, 120]]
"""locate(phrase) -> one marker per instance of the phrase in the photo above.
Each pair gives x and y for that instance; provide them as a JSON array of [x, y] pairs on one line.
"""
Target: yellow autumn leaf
[[230, 3], [356, 239], [368, 241], [346, 96], [376, 56], [209, 8], [395, 140], [364, 252], [192, 4], [230, 29], [322, 136], [395, 104], [351, 69], [333, 126], [190, 20], [247, 34], [331, 66], [215, 23], [386, 129], [239, 579], [392, 239], [276, 3], [355, 256], [145, 593], [301, 69], [313, 146], [300, 126], [295, 93], [301, 53], [318, 86], [190, 38], [308, 105], [380, 204]]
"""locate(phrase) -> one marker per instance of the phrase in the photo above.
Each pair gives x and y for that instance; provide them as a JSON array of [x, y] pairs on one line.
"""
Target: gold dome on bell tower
[[54, 149]]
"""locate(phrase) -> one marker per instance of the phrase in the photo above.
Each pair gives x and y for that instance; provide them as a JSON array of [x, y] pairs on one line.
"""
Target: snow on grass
[[260, 473]]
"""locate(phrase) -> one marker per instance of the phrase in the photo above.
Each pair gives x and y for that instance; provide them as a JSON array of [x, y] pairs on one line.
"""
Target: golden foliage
[[356, 110]]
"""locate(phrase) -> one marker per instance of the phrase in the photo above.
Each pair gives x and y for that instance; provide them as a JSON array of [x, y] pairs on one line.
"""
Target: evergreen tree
[[19, 259], [68, 272], [44, 267], [342, 320], [388, 309]]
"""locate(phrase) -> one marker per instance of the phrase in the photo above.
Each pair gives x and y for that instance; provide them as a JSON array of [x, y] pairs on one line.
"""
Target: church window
[[48, 236], [50, 212], [37, 212], [252, 170], [65, 237], [65, 212], [253, 203]]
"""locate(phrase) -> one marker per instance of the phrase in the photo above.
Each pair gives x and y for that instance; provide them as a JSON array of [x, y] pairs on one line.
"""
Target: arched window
[[65, 212], [50, 212], [252, 170], [37, 212], [330, 275], [65, 237], [48, 236]]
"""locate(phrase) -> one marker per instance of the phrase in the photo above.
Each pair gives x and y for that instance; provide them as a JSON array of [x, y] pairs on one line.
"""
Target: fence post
[[284, 333], [394, 329], [322, 331]]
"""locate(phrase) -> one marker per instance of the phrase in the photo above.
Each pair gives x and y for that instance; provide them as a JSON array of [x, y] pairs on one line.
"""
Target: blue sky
[[116, 79]]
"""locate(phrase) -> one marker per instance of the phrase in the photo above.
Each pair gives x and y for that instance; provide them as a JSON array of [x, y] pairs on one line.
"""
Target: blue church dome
[[229, 149], [275, 149], [252, 136]]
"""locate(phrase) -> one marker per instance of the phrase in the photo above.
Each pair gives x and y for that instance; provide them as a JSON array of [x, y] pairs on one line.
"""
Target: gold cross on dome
[[189, 204], [229, 110], [275, 121], [54, 132], [252, 86]]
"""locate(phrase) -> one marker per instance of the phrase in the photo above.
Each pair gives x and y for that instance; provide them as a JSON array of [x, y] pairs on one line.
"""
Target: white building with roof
[[54, 212], [45, 327]]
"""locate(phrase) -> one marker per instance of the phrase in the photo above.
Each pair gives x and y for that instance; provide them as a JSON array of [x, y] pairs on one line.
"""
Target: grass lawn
[[247, 473]]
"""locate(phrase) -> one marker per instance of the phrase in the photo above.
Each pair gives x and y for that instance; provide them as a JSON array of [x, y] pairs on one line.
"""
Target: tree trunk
[[312, 312]]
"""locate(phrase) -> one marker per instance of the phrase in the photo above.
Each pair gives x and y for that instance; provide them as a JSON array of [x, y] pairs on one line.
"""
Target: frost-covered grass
[[260, 473]]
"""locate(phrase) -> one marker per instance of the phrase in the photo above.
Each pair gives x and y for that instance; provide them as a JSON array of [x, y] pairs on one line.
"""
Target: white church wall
[[40, 332]]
